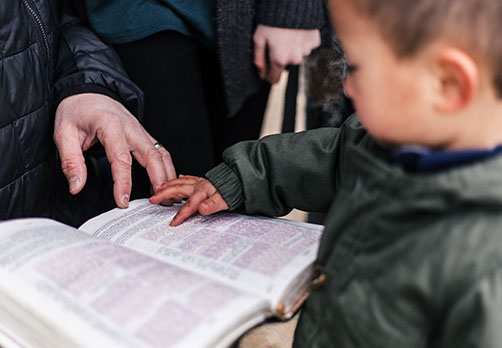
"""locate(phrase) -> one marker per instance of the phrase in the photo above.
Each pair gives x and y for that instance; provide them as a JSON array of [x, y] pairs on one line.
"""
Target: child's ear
[[458, 80]]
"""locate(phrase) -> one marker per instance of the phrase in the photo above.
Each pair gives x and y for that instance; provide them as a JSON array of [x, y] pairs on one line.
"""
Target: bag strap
[[289, 114]]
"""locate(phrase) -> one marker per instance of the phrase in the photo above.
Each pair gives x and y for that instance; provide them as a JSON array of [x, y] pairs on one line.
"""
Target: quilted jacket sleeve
[[86, 64], [280, 172]]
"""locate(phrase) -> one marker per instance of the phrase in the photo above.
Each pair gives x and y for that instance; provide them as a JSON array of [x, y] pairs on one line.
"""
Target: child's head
[[426, 72]]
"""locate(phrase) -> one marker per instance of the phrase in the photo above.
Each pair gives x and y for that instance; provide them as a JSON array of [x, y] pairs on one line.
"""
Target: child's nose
[[347, 86]]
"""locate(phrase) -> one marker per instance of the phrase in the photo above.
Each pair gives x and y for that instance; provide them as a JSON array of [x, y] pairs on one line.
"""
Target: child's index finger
[[190, 207], [184, 213]]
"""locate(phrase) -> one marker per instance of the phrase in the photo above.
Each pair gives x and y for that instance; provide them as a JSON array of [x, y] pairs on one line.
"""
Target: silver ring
[[158, 145]]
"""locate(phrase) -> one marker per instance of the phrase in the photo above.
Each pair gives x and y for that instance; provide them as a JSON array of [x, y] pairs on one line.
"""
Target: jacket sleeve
[[476, 317], [280, 172], [85, 64], [296, 14]]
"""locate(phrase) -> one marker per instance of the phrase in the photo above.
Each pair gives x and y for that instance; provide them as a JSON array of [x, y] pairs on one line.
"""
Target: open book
[[128, 279]]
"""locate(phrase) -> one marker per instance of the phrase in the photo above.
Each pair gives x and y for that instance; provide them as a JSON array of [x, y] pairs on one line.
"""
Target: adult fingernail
[[74, 184], [124, 200]]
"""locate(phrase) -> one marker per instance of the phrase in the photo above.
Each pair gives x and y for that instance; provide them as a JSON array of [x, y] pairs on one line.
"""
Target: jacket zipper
[[35, 15]]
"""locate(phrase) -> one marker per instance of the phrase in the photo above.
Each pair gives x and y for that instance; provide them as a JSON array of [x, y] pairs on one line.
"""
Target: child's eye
[[348, 69]]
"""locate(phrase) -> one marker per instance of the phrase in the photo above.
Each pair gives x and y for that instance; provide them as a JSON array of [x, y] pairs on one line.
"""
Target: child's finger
[[173, 192], [192, 177], [186, 179], [202, 192], [213, 204], [182, 215], [187, 210]]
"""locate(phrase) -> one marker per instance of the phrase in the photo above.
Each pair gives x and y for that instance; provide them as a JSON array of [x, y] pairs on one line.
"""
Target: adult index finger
[[120, 160], [72, 160]]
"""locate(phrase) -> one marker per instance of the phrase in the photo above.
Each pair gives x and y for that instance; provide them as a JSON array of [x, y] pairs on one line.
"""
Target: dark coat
[[45, 56]]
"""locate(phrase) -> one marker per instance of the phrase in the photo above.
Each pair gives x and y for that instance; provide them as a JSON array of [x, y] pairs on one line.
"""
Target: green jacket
[[411, 260]]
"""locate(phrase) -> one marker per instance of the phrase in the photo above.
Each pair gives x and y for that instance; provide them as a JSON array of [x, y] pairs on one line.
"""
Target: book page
[[260, 255], [63, 288]]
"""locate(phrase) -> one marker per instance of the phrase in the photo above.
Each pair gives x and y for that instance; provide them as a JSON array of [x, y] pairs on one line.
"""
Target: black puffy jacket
[[45, 56]]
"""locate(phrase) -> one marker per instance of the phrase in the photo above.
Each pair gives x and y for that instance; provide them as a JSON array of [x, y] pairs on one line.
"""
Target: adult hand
[[275, 48], [84, 119], [202, 196]]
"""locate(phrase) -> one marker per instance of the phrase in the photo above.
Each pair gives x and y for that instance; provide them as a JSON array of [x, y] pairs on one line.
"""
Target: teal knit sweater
[[126, 21]]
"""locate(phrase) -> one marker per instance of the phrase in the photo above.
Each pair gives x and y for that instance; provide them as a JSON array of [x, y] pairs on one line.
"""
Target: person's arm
[[95, 103], [280, 172], [287, 31]]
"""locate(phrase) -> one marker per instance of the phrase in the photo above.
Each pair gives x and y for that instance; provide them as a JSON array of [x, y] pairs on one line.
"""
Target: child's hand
[[202, 196]]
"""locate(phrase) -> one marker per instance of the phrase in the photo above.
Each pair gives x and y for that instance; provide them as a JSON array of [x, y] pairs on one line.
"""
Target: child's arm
[[280, 172], [272, 175], [202, 197]]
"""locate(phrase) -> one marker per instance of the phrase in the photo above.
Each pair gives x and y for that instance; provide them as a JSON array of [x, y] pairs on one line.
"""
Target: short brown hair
[[408, 25]]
